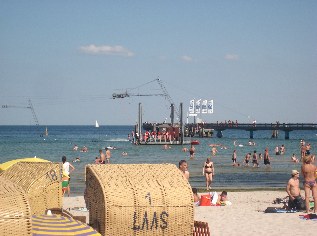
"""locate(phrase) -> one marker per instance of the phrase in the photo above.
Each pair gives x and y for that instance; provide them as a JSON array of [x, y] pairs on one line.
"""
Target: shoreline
[[217, 189], [244, 189], [244, 217]]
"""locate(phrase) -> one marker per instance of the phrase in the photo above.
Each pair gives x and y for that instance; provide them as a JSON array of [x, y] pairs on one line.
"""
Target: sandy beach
[[244, 217]]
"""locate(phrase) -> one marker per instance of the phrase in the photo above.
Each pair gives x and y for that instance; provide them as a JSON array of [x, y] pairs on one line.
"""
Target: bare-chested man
[[183, 167], [108, 155], [102, 157], [293, 191], [309, 172]]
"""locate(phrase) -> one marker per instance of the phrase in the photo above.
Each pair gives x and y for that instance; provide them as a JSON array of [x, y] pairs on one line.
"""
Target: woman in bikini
[[208, 172], [309, 173]]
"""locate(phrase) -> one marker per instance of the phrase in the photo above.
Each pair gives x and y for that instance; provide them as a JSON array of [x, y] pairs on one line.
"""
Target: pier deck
[[286, 127]]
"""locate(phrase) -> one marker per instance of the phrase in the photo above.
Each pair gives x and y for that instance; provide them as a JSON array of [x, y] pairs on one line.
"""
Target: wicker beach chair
[[15, 212], [139, 199], [41, 181], [201, 229]]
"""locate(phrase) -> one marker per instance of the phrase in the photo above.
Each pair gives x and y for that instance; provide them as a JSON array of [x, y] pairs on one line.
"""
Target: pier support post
[[286, 134], [251, 134], [219, 134]]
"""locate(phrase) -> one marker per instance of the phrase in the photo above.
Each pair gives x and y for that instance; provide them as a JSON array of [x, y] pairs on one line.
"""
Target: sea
[[28, 141]]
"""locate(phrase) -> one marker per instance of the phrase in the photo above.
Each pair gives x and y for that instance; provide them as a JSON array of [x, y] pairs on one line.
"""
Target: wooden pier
[[274, 127]]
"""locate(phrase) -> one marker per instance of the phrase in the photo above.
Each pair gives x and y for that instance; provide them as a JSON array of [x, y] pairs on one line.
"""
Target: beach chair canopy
[[8, 164]]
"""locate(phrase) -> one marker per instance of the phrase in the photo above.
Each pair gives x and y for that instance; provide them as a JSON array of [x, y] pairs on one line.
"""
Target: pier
[[274, 127]]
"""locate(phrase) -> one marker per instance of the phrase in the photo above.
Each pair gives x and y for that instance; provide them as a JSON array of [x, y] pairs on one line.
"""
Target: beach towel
[[79, 209], [278, 210], [308, 217], [214, 197]]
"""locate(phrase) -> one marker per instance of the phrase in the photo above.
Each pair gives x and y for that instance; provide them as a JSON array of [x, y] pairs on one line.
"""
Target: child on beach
[[65, 184], [97, 160]]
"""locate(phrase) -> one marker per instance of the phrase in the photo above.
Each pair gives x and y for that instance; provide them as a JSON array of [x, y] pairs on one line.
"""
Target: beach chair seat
[[201, 228]]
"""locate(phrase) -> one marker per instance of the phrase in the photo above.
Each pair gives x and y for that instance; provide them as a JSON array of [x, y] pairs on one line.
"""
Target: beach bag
[[297, 204], [205, 200]]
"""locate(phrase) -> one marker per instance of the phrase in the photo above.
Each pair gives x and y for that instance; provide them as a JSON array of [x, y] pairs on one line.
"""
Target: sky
[[256, 59]]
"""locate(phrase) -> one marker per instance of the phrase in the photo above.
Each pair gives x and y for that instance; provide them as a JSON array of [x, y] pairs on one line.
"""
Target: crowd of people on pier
[[171, 134]]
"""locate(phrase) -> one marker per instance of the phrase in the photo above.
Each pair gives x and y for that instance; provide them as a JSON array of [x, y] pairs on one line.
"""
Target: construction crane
[[30, 106], [164, 93], [126, 95]]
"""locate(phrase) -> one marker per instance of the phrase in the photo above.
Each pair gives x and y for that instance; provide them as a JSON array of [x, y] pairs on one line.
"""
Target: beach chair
[[15, 211], [139, 199], [41, 182], [201, 229]]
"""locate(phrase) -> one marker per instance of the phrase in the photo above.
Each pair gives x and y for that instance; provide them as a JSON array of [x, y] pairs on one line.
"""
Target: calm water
[[25, 141]]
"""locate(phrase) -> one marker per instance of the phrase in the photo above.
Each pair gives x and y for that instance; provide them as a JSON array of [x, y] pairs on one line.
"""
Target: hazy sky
[[256, 59]]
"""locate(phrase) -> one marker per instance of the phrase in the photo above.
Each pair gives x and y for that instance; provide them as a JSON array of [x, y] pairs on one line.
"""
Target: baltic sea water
[[27, 141]]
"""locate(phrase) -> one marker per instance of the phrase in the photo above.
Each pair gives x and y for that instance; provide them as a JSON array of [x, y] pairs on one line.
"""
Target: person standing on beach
[[183, 167], [108, 155], [293, 191], [67, 171], [309, 172], [65, 184], [208, 172], [102, 157], [66, 166], [266, 157]]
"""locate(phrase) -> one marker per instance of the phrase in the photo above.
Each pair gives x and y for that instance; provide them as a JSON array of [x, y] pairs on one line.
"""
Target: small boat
[[97, 125], [194, 142]]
